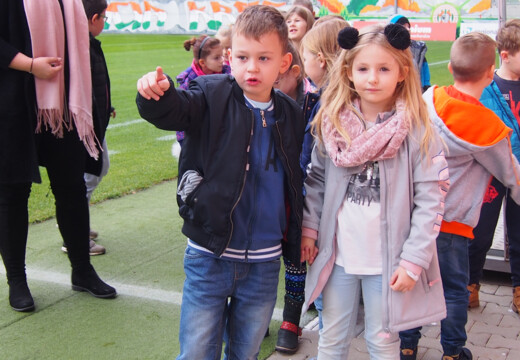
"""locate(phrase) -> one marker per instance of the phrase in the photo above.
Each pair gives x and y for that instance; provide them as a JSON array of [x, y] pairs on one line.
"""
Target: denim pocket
[[191, 254]]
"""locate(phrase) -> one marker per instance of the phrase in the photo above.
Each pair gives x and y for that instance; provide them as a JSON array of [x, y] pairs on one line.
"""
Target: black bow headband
[[397, 35]]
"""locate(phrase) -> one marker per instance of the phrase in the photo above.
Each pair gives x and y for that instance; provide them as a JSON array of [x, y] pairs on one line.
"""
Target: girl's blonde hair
[[340, 93], [323, 39]]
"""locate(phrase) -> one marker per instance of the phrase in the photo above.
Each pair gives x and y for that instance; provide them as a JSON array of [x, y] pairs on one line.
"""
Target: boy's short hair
[[93, 7], [258, 20], [471, 56], [508, 37]]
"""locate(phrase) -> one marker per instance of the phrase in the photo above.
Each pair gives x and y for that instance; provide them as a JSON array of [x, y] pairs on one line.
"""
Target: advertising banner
[[194, 17], [426, 31]]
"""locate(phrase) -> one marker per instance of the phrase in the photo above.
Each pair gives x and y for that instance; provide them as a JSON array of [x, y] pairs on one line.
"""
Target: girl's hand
[[400, 281], [309, 250], [153, 85], [46, 67]]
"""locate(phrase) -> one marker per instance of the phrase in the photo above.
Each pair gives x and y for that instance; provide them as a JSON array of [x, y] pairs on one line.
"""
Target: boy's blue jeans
[[225, 301], [454, 264]]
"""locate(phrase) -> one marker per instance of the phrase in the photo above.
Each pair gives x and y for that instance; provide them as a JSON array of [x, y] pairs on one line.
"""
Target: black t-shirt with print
[[510, 89]]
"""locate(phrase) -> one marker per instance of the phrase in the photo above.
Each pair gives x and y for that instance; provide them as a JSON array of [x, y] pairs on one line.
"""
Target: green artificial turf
[[139, 159]]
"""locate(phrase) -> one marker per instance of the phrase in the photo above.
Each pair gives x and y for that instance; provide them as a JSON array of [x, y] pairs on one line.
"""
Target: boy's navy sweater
[[259, 218], [218, 126]]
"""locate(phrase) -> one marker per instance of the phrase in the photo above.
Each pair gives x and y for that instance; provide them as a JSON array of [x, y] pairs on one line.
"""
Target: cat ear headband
[[397, 35]]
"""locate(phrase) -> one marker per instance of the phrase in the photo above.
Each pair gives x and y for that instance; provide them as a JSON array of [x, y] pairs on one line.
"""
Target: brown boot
[[473, 295], [516, 299]]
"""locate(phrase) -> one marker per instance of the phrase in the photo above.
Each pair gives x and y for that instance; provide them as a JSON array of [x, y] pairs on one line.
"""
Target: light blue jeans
[[225, 301], [341, 297]]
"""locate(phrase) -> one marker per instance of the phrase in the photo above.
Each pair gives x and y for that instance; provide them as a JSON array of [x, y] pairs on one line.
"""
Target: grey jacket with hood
[[471, 167], [412, 187]]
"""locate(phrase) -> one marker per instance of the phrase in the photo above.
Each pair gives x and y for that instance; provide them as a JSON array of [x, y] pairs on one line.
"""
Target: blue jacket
[[493, 99]]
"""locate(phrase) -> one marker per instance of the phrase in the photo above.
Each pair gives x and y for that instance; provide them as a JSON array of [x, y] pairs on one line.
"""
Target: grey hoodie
[[478, 149]]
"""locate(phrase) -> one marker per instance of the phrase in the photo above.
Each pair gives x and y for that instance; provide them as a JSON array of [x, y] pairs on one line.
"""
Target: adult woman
[[47, 123]]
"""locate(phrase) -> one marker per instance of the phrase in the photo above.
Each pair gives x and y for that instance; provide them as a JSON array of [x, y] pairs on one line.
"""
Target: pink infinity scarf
[[381, 141]]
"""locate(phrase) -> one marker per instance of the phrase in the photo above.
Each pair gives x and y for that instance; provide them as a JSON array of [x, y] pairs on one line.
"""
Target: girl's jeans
[[341, 297]]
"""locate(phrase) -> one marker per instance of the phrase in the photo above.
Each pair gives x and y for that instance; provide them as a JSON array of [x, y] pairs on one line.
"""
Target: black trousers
[[64, 160]]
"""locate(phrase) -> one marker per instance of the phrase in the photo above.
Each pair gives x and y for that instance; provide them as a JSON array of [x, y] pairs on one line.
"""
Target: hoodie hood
[[463, 134]]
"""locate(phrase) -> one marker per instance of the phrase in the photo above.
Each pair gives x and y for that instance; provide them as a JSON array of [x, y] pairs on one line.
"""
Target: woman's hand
[[46, 68]]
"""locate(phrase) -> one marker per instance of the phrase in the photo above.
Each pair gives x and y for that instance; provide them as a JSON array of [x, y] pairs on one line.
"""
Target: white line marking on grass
[[170, 297], [439, 62], [126, 123], [167, 138]]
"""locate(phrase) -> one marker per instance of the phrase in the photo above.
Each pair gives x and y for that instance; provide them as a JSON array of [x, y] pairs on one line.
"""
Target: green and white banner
[[181, 16]]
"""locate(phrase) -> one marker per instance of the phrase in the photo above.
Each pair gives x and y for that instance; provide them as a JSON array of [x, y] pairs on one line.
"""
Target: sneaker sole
[[285, 350], [25, 309], [106, 296]]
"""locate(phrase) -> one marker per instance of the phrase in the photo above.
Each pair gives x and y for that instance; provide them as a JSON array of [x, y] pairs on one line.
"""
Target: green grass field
[[137, 158]]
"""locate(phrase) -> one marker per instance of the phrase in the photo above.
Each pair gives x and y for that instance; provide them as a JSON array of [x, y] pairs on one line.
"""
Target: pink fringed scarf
[[48, 39], [381, 141]]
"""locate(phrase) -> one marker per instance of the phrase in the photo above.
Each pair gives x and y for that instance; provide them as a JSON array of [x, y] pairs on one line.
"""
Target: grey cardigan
[[412, 187]]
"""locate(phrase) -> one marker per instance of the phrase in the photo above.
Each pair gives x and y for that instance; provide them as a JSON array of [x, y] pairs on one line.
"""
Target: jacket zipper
[[244, 181], [289, 167], [264, 123], [386, 312]]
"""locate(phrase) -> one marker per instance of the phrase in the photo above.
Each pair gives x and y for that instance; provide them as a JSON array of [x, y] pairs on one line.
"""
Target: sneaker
[[465, 354], [287, 341], [473, 296], [516, 299], [408, 354], [95, 249], [93, 235]]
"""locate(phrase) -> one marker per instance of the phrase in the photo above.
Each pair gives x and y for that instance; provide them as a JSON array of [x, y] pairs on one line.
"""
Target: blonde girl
[[224, 35], [320, 48], [293, 82], [299, 20], [374, 196]]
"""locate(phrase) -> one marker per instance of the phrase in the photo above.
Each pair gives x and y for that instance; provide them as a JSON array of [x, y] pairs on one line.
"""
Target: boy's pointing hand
[[153, 85]]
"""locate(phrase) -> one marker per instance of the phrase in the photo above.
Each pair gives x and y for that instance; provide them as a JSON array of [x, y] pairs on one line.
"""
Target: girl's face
[[212, 64], [375, 74], [297, 27], [226, 47], [288, 82], [314, 66]]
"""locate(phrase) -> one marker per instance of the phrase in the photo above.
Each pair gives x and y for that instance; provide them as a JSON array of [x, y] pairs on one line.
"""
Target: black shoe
[[90, 282], [20, 297], [408, 354], [465, 354], [288, 338]]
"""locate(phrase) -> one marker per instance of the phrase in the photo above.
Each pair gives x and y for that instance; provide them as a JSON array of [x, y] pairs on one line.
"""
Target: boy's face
[[511, 63], [257, 64], [97, 24]]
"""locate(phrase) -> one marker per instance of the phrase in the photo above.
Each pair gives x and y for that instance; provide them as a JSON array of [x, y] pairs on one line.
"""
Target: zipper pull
[[264, 123]]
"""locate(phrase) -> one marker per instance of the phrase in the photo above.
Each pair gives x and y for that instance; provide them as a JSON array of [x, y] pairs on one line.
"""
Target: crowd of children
[[347, 170], [382, 213]]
